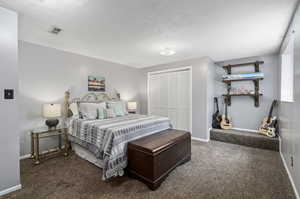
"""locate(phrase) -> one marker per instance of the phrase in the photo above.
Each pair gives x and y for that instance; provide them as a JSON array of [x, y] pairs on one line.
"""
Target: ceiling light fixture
[[167, 52]]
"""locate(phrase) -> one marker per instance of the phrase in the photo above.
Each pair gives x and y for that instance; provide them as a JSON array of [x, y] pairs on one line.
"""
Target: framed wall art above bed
[[96, 84]]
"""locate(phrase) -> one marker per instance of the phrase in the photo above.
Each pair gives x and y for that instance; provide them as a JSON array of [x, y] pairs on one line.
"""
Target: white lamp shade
[[132, 105], [51, 110]]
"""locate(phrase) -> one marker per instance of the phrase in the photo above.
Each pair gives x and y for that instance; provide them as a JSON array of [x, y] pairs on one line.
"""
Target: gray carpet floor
[[217, 170]]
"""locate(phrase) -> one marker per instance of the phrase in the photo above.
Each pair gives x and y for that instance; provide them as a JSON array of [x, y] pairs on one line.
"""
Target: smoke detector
[[55, 30]]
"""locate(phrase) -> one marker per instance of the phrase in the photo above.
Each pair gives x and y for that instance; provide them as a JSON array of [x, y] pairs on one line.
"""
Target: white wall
[[46, 73], [9, 127], [202, 92], [289, 114], [244, 105]]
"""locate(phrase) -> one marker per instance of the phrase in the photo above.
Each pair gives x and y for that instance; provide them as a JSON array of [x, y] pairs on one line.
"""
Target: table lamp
[[132, 106], [52, 112]]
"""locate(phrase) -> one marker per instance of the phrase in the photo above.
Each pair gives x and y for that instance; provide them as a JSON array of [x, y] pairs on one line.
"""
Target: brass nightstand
[[42, 133]]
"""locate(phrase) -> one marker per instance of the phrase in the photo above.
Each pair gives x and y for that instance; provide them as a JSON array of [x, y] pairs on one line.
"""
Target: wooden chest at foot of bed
[[152, 158]]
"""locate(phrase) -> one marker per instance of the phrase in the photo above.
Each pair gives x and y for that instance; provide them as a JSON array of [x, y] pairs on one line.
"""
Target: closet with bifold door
[[169, 95]]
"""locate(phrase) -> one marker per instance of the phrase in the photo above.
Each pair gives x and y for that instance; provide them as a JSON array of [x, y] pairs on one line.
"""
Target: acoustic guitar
[[216, 118], [269, 124], [226, 122]]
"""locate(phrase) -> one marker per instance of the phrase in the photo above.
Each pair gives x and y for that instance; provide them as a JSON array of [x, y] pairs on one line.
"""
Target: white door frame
[[191, 88]]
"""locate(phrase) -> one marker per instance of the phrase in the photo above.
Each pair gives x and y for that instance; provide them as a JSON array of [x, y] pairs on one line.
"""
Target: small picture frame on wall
[[96, 84]]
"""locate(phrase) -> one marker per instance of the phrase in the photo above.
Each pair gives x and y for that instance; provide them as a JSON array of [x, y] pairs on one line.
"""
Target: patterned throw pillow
[[110, 113], [118, 107], [102, 113]]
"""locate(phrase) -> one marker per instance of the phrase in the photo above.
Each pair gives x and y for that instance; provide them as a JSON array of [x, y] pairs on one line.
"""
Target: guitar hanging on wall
[[216, 118], [226, 122], [269, 124]]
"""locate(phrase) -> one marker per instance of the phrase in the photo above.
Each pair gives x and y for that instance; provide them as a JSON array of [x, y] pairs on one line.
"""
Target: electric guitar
[[216, 118], [226, 122], [269, 124]]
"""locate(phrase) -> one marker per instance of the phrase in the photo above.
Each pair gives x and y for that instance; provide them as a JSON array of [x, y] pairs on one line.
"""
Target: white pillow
[[74, 108], [90, 110], [102, 105]]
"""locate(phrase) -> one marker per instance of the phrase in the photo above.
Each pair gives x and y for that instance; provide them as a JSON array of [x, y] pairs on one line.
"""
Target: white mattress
[[85, 154]]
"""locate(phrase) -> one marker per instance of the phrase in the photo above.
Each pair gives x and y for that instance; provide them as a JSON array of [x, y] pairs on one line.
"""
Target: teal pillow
[[102, 114], [118, 108]]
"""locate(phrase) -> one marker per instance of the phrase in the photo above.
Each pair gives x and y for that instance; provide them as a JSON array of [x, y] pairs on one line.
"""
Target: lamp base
[[52, 123]]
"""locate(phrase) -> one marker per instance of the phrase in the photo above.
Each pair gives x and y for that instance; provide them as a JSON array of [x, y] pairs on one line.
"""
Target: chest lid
[[159, 141]]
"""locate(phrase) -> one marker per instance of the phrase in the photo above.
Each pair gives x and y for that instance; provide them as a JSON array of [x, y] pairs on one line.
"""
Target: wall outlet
[[292, 161]]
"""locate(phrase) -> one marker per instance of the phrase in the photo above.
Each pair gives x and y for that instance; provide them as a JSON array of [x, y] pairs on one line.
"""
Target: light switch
[[8, 93]]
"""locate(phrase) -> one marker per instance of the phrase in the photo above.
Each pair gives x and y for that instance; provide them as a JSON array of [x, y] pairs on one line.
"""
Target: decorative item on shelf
[[241, 91], [52, 112], [233, 91], [242, 76], [132, 106]]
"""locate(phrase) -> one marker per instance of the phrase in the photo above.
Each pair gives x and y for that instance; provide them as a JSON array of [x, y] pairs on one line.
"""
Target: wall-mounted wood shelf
[[256, 64], [256, 95], [242, 79], [242, 94]]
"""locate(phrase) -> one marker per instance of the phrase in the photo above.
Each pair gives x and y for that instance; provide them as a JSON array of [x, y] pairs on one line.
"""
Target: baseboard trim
[[200, 139], [43, 152], [11, 189], [288, 171], [248, 130], [23, 157]]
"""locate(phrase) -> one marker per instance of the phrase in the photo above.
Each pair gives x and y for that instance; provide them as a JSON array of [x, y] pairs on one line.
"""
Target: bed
[[103, 142]]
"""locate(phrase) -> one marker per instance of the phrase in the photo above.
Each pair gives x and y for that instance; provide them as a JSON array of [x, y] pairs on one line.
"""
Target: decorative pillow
[[74, 109], [90, 110], [110, 113], [102, 105], [102, 113], [118, 107]]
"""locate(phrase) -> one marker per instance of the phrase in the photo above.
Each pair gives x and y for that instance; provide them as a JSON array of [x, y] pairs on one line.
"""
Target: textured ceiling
[[133, 32]]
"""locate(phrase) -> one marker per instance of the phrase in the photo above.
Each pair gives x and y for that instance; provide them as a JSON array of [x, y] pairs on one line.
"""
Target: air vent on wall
[[55, 30]]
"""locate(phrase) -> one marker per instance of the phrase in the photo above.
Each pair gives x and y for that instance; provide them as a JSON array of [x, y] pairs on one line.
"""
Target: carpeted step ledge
[[245, 138]]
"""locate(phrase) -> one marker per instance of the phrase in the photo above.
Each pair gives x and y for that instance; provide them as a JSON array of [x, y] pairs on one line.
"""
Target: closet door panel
[[183, 119], [183, 94], [154, 94], [172, 115], [172, 90], [183, 100], [158, 94], [169, 96], [164, 91]]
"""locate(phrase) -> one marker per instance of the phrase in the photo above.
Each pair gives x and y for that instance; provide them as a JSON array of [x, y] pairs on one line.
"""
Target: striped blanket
[[107, 139]]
